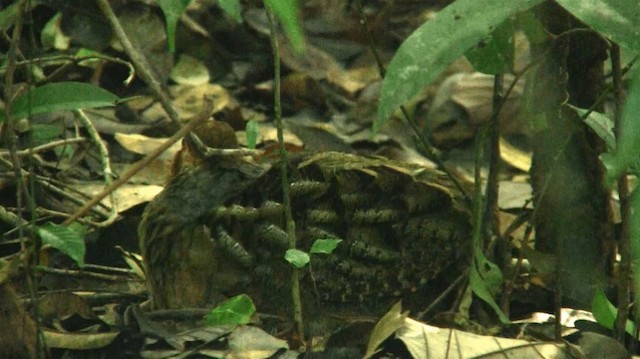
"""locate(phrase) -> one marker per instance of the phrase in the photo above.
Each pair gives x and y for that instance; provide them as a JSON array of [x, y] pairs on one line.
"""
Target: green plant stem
[[286, 200], [21, 191], [624, 243], [478, 203], [490, 222], [108, 174]]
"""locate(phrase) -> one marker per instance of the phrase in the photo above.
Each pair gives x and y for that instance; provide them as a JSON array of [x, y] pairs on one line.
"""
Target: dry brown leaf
[[425, 341]]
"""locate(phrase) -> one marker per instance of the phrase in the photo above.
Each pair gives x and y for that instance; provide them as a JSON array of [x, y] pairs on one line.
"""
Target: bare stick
[[139, 165], [286, 200]]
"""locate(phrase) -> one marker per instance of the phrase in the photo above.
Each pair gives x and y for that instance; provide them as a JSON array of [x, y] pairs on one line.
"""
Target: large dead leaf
[[127, 195], [78, 341], [425, 341], [386, 326]]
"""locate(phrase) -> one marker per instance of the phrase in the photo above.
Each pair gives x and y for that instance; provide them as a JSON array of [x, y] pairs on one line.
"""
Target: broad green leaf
[[297, 257], [532, 27], [617, 19], [68, 240], [233, 311], [287, 12], [324, 246], [628, 145], [494, 55], [437, 43], [61, 96], [605, 313], [252, 132], [232, 8], [485, 280], [172, 10], [42, 133]]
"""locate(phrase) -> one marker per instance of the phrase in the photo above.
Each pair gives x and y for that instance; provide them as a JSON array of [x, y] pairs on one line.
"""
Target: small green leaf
[[601, 125], [172, 10], [90, 63], [297, 257], [485, 280], [233, 311], [324, 246], [61, 96], [67, 240], [252, 132], [232, 8], [605, 313], [52, 36], [287, 12]]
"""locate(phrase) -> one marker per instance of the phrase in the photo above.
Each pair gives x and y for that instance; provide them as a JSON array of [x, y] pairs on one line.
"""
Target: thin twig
[[56, 187], [46, 146], [443, 295], [146, 71], [84, 274], [106, 165], [64, 59], [286, 200], [17, 166], [141, 164]]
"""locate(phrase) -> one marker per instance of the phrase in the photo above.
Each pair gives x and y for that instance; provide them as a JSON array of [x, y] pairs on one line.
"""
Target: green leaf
[[252, 132], [495, 54], [52, 36], [232, 8], [628, 145], [233, 311], [67, 240], [437, 43], [172, 10], [485, 280], [601, 125], [90, 63], [42, 133], [617, 19], [297, 257], [324, 246], [532, 27], [605, 313], [9, 14], [287, 13], [61, 96]]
